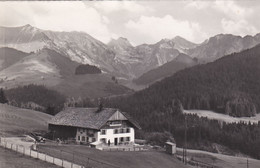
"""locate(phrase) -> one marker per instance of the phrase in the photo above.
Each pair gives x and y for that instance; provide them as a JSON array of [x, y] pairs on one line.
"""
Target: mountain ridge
[[119, 58], [182, 61], [126, 62]]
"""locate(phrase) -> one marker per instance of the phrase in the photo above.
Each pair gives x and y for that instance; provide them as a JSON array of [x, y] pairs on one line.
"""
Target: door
[[116, 141]]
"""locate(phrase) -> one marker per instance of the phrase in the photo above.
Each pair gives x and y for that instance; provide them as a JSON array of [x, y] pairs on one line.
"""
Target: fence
[[42, 156], [196, 163], [79, 158], [135, 148]]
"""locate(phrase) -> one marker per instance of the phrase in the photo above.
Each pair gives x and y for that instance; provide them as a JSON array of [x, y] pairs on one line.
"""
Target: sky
[[138, 21]]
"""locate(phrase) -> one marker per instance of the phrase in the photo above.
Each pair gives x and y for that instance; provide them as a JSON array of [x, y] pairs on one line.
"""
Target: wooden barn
[[92, 125]]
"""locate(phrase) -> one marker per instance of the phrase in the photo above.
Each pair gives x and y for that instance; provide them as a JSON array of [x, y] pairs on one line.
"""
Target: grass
[[90, 85], [223, 117], [220, 160], [17, 121], [11, 159], [144, 159]]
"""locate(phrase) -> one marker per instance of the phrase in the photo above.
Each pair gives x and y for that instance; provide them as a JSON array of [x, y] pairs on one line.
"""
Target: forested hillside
[[228, 85], [36, 97]]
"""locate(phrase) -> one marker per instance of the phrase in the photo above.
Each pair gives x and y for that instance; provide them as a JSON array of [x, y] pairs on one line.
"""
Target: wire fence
[[68, 159], [196, 163], [58, 157], [79, 158]]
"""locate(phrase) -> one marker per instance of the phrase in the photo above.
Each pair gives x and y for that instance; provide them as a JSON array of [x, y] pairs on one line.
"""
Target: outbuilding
[[170, 147]]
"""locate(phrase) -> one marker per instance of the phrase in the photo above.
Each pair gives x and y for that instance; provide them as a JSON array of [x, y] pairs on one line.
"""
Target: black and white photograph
[[130, 84]]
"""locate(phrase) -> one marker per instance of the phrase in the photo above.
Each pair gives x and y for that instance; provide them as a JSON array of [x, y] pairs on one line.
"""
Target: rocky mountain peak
[[120, 42]]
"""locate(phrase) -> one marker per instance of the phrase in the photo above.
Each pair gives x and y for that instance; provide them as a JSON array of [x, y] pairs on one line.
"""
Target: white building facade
[[118, 130]]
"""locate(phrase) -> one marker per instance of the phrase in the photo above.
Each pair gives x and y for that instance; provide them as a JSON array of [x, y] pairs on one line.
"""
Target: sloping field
[[90, 85], [223, 117], [144, 159], [15, 121], [11, 159]]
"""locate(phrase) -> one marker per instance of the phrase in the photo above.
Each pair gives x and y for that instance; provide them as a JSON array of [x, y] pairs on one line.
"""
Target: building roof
[[86, 117], [170, 143]]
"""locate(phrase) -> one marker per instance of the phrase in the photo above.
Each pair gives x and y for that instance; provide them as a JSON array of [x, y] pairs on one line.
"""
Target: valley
[[216, 80]]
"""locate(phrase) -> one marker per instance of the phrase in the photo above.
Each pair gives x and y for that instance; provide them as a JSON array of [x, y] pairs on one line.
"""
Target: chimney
[[100, 105]]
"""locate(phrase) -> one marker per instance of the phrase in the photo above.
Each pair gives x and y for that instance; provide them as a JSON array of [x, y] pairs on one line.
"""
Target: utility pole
[[185, 141]]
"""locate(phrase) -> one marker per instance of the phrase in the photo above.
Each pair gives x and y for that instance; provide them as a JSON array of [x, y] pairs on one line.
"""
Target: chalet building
[[92, 126]]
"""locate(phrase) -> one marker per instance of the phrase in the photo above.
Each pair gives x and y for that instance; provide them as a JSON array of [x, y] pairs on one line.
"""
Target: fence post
[[72, 160], [88, 162], [61, 158]]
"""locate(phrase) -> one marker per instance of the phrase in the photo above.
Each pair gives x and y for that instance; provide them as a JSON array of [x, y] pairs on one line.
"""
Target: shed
[[170, 148]]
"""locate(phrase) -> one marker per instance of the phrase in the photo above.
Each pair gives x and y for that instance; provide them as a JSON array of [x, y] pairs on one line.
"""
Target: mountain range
[[32, 55], [54, 70]]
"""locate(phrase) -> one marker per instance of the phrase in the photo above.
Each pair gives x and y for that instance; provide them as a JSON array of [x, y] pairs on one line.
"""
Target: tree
[[2, 96], [114, 79]]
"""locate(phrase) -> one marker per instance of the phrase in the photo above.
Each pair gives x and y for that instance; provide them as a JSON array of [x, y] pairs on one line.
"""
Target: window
[[115, 131], [78, 138], [127, 139], [103, 132], [81, 130], [127, 130], [121, 139], [103, 140], [122, 130], [83, 138], [87, 139], [93, 139]]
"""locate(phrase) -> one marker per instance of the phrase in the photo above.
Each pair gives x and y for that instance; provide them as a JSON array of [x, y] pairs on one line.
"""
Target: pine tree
[[2, 96]]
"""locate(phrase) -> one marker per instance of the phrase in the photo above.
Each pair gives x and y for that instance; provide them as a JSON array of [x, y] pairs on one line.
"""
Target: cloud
[[235, 18], [241, 27], [197, 5], [233, 10], [116, 6], [58, 16], [153, 29], [140, 22]]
